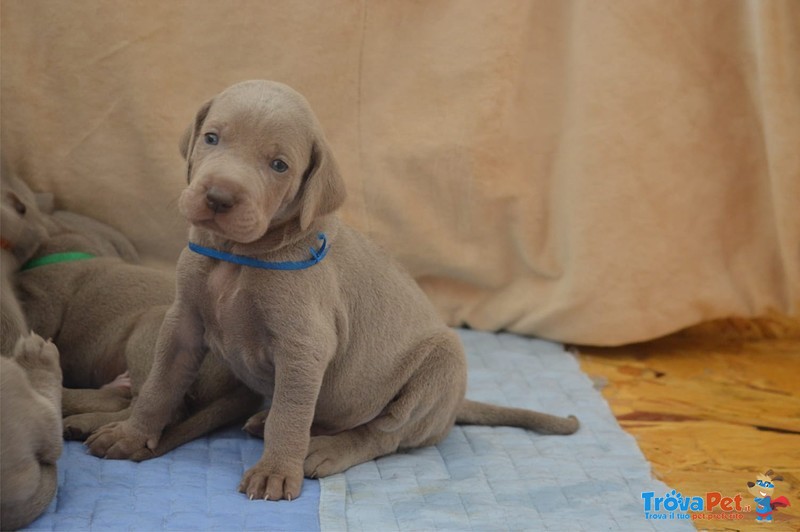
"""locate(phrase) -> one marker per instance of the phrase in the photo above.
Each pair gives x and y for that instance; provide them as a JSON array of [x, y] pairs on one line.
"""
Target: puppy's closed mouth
[[209, 220], [194, 208], [240, 223], [207, 223]]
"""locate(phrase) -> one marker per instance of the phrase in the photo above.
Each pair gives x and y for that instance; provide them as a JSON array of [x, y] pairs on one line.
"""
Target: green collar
[[69, 256]]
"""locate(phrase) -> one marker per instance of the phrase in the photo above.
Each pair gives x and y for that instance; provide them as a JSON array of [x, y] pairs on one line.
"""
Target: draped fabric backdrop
[[591, 171]]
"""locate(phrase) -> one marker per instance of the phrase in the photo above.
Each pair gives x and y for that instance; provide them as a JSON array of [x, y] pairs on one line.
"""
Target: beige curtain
[[589, 171]]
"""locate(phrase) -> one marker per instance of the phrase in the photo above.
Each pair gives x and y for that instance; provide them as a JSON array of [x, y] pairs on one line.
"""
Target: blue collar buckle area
[[316, 256]]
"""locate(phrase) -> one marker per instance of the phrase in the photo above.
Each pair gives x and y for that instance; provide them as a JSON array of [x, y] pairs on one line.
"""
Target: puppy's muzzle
[[219, 200]]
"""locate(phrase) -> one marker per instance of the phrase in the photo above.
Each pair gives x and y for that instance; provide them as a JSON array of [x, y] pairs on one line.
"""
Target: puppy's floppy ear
[[186, 144], [323, 187]]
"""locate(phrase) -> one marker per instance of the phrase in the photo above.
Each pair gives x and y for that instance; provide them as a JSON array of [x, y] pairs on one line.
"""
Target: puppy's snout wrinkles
[[219, 200]]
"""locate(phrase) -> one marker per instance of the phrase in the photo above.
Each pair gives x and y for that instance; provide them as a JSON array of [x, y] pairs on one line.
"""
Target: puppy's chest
[[232, 307], [235, 325], [224, 284]]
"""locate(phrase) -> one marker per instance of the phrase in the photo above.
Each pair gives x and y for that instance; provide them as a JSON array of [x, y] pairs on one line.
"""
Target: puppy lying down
[[303, 309], [30, 430], [30, 376], [21, 232]]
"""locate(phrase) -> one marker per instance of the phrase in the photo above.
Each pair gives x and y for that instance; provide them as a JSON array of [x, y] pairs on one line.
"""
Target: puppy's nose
[[219, 200]]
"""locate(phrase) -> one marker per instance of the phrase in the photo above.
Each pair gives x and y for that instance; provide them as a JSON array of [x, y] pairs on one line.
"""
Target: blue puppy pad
[[478, 478], [191, 488], [504, 478]]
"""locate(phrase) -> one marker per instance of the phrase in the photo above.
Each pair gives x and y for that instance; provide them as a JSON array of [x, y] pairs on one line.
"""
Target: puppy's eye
[[279, 166], [17, 203], [211, 138]]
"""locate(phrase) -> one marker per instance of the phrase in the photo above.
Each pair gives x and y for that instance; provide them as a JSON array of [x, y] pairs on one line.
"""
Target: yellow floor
[[711, 407]]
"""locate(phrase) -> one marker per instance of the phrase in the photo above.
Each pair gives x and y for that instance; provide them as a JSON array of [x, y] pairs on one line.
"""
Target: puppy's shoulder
[[363, 262], [354, 246]]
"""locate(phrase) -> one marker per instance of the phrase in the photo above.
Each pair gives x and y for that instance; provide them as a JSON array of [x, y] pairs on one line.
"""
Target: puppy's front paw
[[272, 483], [120, 441]]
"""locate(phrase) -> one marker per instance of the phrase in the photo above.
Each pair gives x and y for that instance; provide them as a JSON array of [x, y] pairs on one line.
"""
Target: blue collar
[[316, 256]]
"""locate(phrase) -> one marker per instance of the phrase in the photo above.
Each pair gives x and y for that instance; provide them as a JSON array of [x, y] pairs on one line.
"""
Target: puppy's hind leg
[[328, 455], [230, 408], [91, 400], [422, 413]]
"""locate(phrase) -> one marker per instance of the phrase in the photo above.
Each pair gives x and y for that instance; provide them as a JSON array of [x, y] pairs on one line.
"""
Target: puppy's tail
[[475, 413]]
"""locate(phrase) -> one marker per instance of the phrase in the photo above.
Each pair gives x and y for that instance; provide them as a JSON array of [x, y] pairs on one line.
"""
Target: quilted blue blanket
[[479, 478]]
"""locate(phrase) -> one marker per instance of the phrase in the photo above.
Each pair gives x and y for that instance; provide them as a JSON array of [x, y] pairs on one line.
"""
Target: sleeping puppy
[[22, 228], [30, 430], [26, 223], [104, 315], [30, 377], [303, 309]]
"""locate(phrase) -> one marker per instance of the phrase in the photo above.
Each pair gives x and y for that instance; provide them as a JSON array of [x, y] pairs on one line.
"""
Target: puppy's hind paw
[[33, 353], [255, 425], [121, 384], [39, 359], [326, 457]]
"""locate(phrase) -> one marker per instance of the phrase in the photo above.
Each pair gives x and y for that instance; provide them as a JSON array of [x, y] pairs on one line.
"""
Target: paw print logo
[[672, 501]]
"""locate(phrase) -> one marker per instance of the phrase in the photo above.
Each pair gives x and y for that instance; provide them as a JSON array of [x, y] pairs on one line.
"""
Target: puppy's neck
[[64, 239]]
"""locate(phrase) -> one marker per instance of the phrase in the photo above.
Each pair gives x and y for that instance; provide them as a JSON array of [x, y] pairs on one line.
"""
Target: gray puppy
[[354, 357], [26, 223], [22, 229], [30, 430], [30, 377]]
